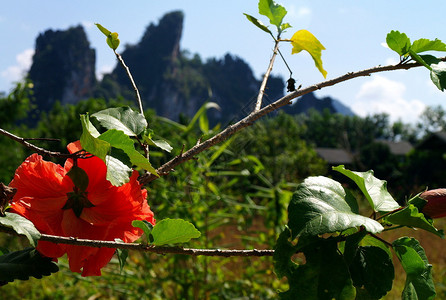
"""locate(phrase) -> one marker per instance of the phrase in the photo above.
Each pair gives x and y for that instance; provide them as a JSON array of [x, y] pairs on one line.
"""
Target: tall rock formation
[[63, 67], [172, 82], [175, 84]]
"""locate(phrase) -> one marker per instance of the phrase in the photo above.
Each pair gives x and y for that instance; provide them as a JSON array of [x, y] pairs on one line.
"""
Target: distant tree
[[432, 119]]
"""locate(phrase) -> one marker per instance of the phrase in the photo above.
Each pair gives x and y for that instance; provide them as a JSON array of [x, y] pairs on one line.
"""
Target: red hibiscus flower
[[436, 203], [48, 197]]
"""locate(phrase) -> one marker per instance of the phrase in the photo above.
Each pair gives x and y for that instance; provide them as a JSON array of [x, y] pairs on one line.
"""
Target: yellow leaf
[[305, 40]]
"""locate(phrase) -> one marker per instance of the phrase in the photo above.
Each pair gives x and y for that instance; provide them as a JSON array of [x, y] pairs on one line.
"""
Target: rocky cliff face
[[63, 67], [173, 82]]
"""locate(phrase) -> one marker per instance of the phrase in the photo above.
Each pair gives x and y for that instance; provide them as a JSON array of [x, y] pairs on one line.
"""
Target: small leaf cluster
[[112, 37], [344, 257], [400, 43], [301, 40], [123, 124]]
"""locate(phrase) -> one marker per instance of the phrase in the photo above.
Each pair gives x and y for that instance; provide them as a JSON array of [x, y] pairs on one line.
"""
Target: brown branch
[[145, 247], [34, 148], [138, 97], [248, 120], [265, 78]]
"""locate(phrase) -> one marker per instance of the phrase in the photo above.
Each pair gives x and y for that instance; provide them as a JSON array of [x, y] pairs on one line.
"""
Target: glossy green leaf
[[258, 23], [125, 119], [438, 75], [411, 217], [275, 12], [372, 269], [24, 264], [423, 45], [89, 139], [374, 189], [305, 40], [118, 173], [22, 226], [419, 282], [320, 205], [398, 42], [173, 231], [118, 139], [323, 276], [79, 177]]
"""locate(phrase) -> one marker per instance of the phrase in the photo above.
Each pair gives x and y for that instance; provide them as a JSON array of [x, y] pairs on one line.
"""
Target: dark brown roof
[[398, 148], [335, 156]]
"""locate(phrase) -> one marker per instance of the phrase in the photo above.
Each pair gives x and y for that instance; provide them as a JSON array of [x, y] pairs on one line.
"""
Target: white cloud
[[303, 12], [382, 95], [23, 63], [87, 24], [105, 69]]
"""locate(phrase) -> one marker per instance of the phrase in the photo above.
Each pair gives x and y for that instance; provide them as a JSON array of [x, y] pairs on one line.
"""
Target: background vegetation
[[236, 194]]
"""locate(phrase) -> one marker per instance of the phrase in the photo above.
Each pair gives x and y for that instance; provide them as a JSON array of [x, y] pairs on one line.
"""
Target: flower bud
[[436, 203]]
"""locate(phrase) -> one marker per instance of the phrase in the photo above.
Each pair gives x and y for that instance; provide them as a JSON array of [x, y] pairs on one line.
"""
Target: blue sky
[[352, 31]]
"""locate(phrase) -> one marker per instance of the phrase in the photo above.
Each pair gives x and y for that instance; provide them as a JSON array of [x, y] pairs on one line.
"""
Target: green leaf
[[320, 205], [21, 226], [117, 172], [372, 268], [118, 139], [398, 42], [275, 12], [423, 45], [374, 189], [202, 110], [24, 264], [113, 41], [79, 177], [112, 37], [419, 283], [438, 75], [258, 23], [164, 145], [203, 123], [283, 251], [125, 119], [89, 139], [305, 40], [324, 275], [285, 26], [411, 217], [122, 255], [173, 231], [146, 226], [104, 30]]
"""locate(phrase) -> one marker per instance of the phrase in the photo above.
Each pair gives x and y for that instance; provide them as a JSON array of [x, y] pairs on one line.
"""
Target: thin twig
[[248, 120], [265, 77], [34, 148], [138, 97]]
